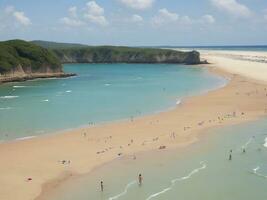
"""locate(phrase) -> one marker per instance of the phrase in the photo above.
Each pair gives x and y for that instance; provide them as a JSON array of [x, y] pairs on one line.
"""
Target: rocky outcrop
[[125, 55]]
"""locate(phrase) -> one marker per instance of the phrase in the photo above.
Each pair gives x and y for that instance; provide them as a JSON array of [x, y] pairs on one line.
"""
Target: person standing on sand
[[101, 186], [140, 179]]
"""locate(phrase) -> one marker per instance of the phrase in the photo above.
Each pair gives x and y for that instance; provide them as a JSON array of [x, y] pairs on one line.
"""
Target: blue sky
[[136, 22]]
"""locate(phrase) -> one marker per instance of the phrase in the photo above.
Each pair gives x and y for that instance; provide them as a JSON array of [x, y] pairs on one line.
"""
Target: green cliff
[[77, 53], [21, 60], [30, 57]]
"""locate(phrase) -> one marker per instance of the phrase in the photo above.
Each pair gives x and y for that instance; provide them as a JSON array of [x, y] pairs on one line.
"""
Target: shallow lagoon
[[100, 93]]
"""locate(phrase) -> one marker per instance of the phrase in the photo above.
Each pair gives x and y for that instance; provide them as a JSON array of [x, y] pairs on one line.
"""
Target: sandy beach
[[33, 167]]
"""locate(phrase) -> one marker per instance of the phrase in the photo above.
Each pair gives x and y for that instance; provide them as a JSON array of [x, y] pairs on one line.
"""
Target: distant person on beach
[[140, 179], [101, 186]]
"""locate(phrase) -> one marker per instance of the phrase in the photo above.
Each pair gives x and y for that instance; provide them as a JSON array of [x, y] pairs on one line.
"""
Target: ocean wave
[[26, 138], [8, 97], [247, 143], [137, 78], [265, 142], [45, 100], [255, 171], [178, 102], [6, 108], [177, 180], [107, 84], [124, 192], [19, 86], [68, 91]]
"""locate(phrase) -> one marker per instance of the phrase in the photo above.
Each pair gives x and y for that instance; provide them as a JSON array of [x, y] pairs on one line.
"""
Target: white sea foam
[[46, 100], [26, 138], [178, 102], [255, 171], [177, 180], [124, 192], [247, 143], [6, 108], [8, 97], [138, 78], [19, 86], [265, 142], [68, 91], [107, 84]]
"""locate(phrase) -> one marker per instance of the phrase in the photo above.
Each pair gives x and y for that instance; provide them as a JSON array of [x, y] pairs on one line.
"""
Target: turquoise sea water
[[100, 93], [202, 171]]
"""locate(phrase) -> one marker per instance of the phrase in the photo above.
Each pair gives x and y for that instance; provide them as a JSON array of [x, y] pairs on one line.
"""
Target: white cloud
[[186, 20], [138, 4], [232, 7], [92, 13], [208, 19], [72, 19], [94, 9], [168, 15], [21, 18], [95, 14], [137, 18], [164, 16], [14, 16]]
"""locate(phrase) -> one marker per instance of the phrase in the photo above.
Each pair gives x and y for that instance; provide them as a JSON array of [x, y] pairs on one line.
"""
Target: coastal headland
[[21, 60]]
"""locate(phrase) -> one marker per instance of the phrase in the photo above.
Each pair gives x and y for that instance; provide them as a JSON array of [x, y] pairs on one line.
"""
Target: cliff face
[[28, 57], [125, 55], [21, 60]]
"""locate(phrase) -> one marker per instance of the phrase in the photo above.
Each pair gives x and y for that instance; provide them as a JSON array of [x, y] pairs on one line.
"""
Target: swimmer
[[101, 186], [140, 179]]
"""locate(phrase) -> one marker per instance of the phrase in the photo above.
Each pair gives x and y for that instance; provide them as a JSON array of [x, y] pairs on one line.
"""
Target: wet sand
[[30, 168]]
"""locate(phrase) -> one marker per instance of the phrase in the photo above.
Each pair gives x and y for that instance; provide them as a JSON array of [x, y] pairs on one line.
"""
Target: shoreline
[[187, 121], [52, 185], [177, 103], [23, 78]]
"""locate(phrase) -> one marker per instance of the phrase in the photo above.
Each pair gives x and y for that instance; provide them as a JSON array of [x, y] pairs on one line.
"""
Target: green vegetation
[[42, 56], [76, 53], [29, 56], [57, 45]]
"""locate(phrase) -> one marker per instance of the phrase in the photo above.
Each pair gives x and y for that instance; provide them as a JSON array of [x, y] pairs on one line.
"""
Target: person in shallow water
[[101, 186], [140, 179], [230, 154]]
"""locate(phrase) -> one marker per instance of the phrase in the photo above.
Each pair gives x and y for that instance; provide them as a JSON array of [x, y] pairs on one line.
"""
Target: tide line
[[178, 179], [247, 143], [255, 171], [124, 192]]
